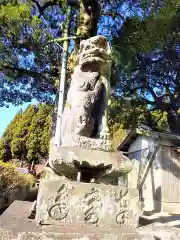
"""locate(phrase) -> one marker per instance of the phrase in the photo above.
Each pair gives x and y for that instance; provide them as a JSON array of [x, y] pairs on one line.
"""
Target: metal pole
[[57, 139]]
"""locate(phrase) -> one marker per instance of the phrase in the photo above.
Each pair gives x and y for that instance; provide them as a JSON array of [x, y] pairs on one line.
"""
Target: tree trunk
[[173, 118]]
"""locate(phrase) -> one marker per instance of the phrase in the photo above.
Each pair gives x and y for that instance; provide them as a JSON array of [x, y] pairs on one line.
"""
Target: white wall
[[136, 145], [161, 190], [140, 143], [153, 180], [146, 142]]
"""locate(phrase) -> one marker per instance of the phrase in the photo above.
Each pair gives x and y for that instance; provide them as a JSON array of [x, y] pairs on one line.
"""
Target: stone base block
[[100, 205]]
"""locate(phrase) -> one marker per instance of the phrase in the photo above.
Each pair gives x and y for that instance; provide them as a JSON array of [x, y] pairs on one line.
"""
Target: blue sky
[[7, 114]]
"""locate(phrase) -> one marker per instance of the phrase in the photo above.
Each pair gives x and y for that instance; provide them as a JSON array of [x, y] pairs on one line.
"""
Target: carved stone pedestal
[[89, 204], [80, 194]]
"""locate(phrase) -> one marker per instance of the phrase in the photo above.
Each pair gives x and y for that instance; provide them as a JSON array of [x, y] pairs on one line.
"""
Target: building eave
[[130, 137], [124, 145]]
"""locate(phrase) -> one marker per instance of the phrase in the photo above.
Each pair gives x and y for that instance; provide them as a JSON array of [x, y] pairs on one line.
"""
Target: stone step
[[15, 225], [79, 236], [6, 235], [169, 219], [150, 232], [15, 219], [84, 229], [160, 231]]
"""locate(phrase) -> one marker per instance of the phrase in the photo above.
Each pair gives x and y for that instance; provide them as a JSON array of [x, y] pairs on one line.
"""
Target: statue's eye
[[87, 23]]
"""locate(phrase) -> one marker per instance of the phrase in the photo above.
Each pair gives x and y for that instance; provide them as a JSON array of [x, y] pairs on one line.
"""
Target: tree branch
[[33, 46], [177, 83], [29, 73], [111, 14], [5, 2], [41, 9], [146, 84], [132, 90], [74, 3]]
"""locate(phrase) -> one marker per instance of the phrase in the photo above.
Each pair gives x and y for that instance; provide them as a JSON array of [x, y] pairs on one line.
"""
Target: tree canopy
[[28, 134], [149, 67], [145, 41]]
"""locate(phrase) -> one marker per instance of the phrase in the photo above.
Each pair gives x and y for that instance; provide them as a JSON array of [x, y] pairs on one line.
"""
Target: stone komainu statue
[[85, 112]]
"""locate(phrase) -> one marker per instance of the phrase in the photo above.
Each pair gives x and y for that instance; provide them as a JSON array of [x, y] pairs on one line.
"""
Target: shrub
[[9, 177]]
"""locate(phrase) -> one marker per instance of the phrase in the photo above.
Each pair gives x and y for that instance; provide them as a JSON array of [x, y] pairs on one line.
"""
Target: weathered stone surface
[[30, 236], [89, 143], [60, 202], [69, 161]]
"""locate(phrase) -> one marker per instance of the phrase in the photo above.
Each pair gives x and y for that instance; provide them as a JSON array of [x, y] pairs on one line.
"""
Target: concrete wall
[[152, 188], [152, 184], [133, 175], [150, 191], [161, 190]]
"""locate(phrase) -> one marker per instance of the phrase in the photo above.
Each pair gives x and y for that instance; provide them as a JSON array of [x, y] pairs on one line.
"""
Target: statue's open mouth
[[94, 55]]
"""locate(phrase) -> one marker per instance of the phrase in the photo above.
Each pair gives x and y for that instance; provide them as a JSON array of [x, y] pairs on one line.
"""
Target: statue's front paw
[[80, 127], [105, 135]]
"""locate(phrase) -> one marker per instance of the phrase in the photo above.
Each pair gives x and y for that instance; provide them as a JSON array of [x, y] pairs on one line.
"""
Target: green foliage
[[28, 134], [8, 133], [130, 113], [23, 35], [147, 62], [160, 118], [12, 13], [9, 177], [145, 34], [2, 150], [38, 137], [18, 143], [118, 135]]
